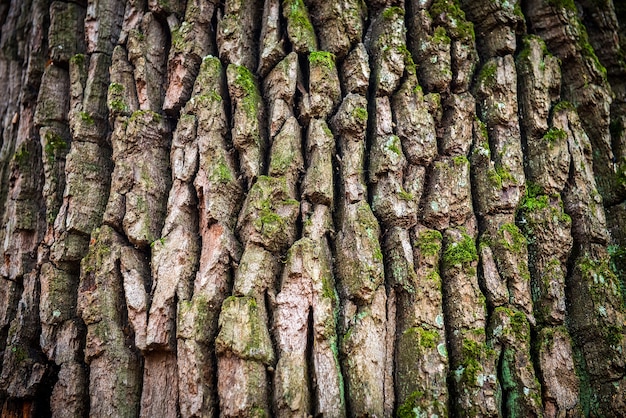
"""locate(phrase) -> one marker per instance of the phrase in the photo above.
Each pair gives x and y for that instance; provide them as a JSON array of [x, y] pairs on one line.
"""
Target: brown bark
[[312, 208]]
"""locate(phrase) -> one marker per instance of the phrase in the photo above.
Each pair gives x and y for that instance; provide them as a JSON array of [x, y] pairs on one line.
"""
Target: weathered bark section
[[340, 25], [199, 278], [499, 183], [191, 41], [584, 83], [595, 301], [271, 42], [114, 366], [300, 31], [248, 130], [23, 53], [442, 42], [308, 376], [266, 227], [546, 225], [237, 31], [306, 208], [86, 183], [584, 80], [359, 259], [402, 144], [61, 331], [136, 208]]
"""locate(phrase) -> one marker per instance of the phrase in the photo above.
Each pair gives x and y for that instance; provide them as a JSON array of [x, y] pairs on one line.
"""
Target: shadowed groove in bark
[[301, 207]]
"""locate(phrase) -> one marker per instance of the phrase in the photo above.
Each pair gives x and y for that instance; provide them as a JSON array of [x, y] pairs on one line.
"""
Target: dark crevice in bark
[[308, 354]]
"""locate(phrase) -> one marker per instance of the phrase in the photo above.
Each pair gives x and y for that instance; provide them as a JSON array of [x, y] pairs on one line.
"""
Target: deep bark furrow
[[310, 208]]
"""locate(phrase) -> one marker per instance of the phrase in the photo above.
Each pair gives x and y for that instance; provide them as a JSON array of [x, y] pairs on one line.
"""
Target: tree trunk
[[313, 208]]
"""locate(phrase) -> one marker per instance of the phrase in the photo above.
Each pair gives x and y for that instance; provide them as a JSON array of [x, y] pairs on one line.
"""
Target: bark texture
[[350, 208]]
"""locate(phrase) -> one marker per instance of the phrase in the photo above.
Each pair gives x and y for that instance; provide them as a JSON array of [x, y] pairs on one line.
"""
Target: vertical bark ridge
[[584, 82], [24, 52], [546, 225], [302, 208], [442, 43], [62, 330], [497, 161]]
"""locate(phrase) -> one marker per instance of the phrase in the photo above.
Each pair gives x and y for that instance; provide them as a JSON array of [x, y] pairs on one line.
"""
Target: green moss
[[54, 144], [268, 221], [327, 130], [602, 286], [450, 11], [526, 40], [499, 176], [160, 241], [98, 252], [116, 98], [494, 178], [554, 135], [505, 175], [86, 117], [78, 59], [328, 290], [116, 88], [531, 204], [360, 114], [393, 13], [471, 352], [211, 66], [137, 114], [511, 238], [428, 338], [429, 242], [393, 145], [21, 156], [118, 105], [251, 100], [533, 190], [563, 105], [588, 51], [220, 172], [460, 160], [517, 10], [411, 407], [440, 36], [460, 253], [282, 158], [434, 276], [378, 254], [520, 326], [323, 59], [298, 23], [178, 36], [404, 195], [409, 63], [533, 200], [488, 73], [19, 353]]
